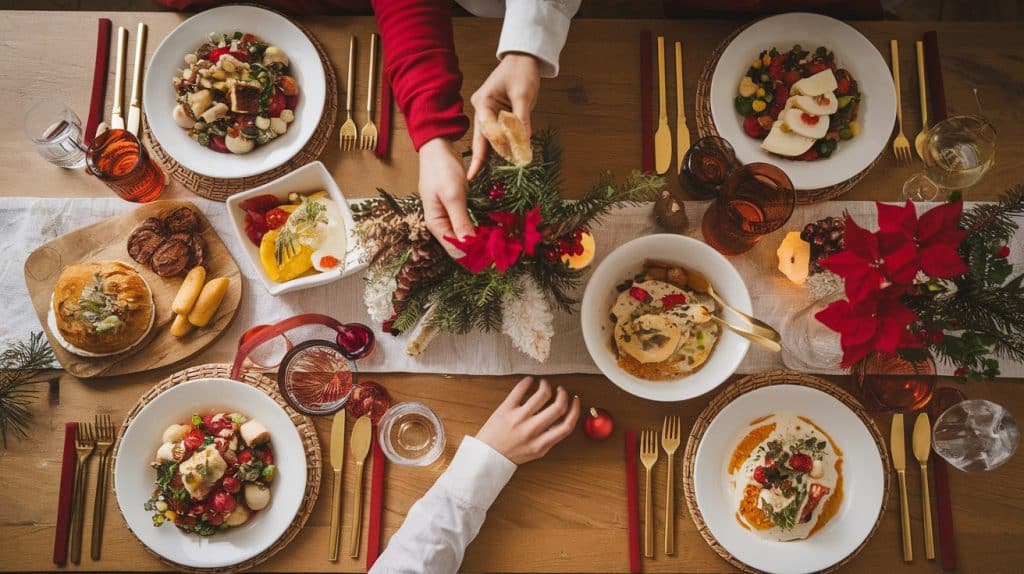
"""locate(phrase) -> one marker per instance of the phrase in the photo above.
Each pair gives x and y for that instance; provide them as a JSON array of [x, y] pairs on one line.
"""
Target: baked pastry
[[101, 308], [507, 135]]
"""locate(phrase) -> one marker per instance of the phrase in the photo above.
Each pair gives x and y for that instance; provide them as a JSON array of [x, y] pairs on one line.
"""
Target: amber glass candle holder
[[757, 199], [890, 382], [706, 167]]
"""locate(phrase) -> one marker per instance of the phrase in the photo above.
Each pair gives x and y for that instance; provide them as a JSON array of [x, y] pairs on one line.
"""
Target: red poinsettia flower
[[859, 263], [876, 323], [936, 236], [502, 243]]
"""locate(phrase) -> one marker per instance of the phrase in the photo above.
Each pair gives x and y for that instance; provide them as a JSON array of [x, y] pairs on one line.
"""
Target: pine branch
[[19, 365], [994, 221], [603, 197]]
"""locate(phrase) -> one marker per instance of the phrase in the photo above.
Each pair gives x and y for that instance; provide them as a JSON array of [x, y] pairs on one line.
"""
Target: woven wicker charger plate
[[750, 383], [706, 127], [219, 189], [303, 424]]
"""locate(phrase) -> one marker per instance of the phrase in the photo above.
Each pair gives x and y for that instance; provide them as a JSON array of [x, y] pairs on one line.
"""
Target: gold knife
[[682, 133], [662, 137], [922, 442], [898, 447], [134, 105], [361, 436], [337, 463], [117, 113]]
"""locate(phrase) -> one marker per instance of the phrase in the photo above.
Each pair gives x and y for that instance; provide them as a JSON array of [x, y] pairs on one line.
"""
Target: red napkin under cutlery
[[376, 503], [99, 81], [67, 485], [384, 141], [646, 113], [632, 499], [943, 399], [933, 76]]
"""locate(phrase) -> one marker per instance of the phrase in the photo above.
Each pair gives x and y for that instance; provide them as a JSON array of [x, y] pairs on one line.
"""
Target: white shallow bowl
[[158, 95], [625, 262], [307, 179], [853, 51], [863, 480], [134, 478]]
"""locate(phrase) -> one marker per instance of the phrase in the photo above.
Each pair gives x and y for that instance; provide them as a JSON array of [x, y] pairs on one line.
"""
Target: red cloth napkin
[[943, 399], [67, 485], [384, 138], [99, 81], [933, 76], [376, 504], [646, 113], [632, 499]]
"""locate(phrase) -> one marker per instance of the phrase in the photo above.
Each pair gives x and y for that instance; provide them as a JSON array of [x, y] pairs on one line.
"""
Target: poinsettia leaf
[[859, 275], [853, 328], [863, 286], [860, 241], [939, 220], [531, 234], [941, 260], [902, 264], [855, 354], [475, 247], [897, 219], [504, 250], [834, 315]]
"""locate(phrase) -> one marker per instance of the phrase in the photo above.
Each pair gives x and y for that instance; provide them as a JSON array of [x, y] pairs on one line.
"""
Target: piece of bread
[[507, 136], [209, 299], [101, 308], [189, 290]]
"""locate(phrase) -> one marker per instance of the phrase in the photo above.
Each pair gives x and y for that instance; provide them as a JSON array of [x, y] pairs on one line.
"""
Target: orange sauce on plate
[[748, 444], [831, 507]]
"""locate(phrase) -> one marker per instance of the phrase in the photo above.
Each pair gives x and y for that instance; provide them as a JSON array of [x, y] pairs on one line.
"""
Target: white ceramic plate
[[134, 478], [863, 480], [307, 179], [623, 263], [158, 94], [853, 51]]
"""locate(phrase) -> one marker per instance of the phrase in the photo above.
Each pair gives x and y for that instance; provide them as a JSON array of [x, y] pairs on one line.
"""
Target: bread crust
[[130, 300]]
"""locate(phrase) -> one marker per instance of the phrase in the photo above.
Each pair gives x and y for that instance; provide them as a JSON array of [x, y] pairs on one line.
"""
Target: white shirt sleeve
[[439, 527], [538, 28]]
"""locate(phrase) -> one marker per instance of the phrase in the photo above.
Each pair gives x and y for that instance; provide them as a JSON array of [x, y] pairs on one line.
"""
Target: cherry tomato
[[194, 439], [267, 456], [244, 456], [216, 54], [277, 104], [223, 502], [217, 519], [816, 66], [276, 218], [255, 227], [217, 144], [231, 484]]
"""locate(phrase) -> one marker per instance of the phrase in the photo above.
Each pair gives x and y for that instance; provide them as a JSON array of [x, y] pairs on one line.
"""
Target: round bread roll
[[101, 308]]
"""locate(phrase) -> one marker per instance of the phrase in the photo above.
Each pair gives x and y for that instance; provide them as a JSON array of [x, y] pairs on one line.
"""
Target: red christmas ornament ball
[[1003, 252], [599, 424]]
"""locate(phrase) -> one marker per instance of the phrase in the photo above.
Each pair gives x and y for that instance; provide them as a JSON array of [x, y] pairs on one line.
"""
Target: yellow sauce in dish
[[831, 507]]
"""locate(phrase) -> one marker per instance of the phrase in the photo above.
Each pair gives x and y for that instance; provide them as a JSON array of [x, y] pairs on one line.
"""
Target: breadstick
[[208, 301], [180, 327], [189, 290]]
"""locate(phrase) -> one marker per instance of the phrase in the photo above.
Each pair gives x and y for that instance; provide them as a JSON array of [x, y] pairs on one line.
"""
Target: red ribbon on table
[[67, 485], [386, 113], [376, 504], [99, 81], [646, 110], [632, 501]]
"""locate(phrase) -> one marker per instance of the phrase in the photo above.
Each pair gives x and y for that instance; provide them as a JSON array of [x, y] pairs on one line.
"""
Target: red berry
[[937, 337], [244, 456], [752, 127], [640, 294], [670, 301], [759, 475], [496, 194], [961, 372], [843, 85], [223, 502], [1003, 252], [801, 462]]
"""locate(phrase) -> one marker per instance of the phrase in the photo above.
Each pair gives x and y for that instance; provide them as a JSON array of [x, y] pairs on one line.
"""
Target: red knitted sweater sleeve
[[419, 57]]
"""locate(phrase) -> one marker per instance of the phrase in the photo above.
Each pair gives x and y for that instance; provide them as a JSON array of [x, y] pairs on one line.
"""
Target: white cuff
[[477, 474], [538, 28]]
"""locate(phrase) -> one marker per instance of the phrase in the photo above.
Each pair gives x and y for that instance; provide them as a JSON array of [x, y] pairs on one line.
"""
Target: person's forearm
[[538, 28], [419, 58], [441, 525]]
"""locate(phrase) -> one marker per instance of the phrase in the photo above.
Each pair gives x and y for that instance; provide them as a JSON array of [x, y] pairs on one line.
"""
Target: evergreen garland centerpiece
[[513, 275]]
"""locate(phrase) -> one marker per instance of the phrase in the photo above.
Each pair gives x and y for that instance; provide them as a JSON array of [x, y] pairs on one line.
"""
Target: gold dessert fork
[[670, 431], [348, 129], [104, 440], [84, 445], [648, 456], [900, 145], [368, 135]]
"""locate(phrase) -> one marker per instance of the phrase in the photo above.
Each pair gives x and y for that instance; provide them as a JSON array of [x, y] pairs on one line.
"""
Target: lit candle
[[794, 257], [581, 260]]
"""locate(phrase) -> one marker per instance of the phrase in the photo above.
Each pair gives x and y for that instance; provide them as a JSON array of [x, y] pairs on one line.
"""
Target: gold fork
[[648, 456], [921, 139], [670, 431], [104, 440], [84, 444], [900, 145], [368, 136], [348, 129]]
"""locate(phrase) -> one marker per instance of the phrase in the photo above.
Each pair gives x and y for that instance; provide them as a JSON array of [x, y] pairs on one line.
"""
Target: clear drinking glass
[[56, 132], [411, 434], [958, 151], [975, 435]]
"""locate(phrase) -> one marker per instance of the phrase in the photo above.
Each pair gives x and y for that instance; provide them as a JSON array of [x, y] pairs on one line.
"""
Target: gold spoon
[[752, 337]]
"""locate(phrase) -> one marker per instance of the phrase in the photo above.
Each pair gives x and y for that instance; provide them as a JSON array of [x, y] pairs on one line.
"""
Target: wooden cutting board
[[108, 240]]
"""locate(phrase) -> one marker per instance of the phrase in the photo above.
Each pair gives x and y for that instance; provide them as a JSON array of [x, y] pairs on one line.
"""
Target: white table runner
[[30, 222]]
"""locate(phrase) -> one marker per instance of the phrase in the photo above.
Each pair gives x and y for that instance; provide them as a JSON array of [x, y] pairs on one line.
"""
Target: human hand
[[513, 85], [443, 188], [522, 428]]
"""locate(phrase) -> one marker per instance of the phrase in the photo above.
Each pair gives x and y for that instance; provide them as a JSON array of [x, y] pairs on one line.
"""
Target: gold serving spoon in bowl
[[759, 327], [765, 342]]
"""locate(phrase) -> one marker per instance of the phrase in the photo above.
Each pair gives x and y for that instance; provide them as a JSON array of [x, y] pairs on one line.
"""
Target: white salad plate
[[863, 480], [307, 179], [158, 95], [852, 51], [625, 262], [134, 478]]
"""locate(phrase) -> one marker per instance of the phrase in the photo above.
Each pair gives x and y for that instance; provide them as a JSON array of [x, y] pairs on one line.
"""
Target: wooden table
[[568, 511]]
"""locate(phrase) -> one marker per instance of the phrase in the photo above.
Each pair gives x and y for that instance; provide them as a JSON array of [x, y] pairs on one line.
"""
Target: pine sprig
[[19, 367], [599, 201], [994, 221]]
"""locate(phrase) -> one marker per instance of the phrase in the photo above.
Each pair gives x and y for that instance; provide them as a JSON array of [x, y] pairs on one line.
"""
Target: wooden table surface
[[567, 512]]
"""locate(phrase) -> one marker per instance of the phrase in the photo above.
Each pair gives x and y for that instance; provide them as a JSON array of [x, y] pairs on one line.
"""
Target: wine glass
[[957, 153]]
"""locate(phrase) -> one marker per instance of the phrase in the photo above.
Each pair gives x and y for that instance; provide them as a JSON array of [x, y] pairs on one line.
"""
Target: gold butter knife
[[662, 137], [682, 133], [922, 442], [337, 463], [134, 105], [898, 448], [361, 436], [117, 112]]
